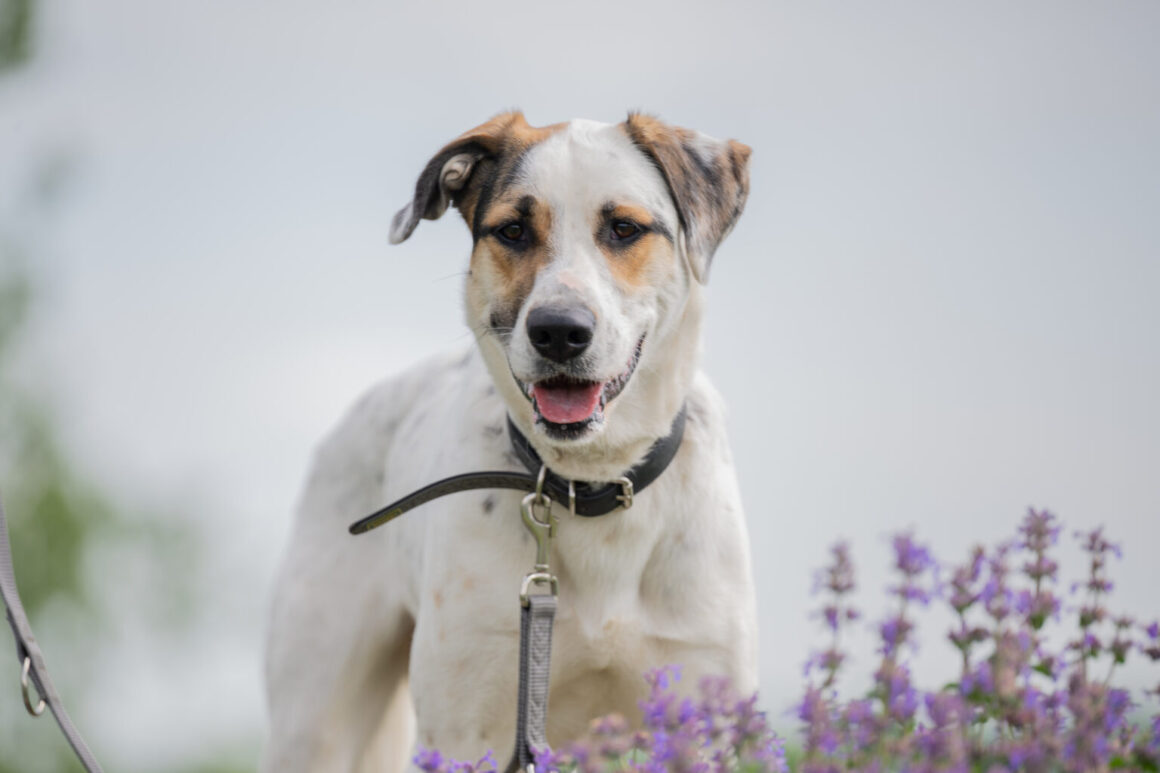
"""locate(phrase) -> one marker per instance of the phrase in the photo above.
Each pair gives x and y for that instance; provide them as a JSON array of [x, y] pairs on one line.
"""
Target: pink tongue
[[567, 404]]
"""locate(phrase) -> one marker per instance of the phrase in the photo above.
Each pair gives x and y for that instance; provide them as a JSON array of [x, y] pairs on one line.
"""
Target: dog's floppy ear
[[708, 180], [446, 177]]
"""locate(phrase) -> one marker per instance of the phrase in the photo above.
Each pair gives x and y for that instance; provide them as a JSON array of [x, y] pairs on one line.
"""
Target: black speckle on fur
[[488, 504], [502, 321]]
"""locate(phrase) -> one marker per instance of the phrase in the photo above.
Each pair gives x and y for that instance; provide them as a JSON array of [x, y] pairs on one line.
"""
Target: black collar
[[602, 498], [585, 499]]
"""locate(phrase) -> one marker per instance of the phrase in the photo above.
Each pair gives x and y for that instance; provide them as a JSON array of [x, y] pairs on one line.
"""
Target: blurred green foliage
[[52, 514], [59, 518], [49, 536], [15, 32], [52, 510]]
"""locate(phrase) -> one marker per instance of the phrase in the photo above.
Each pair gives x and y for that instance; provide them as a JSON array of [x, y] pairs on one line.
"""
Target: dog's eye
[[622, 229], [512, 232]]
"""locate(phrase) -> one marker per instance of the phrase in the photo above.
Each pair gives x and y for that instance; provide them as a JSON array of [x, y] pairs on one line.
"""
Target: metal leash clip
[[543, 530]]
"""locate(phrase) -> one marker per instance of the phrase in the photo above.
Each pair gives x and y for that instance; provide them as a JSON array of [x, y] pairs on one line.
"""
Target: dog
[[591, 246]]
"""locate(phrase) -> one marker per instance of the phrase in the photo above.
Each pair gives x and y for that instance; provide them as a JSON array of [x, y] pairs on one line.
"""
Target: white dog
[[591, 243]]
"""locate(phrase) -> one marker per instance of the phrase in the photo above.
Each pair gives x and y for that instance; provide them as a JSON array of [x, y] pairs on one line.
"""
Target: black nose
[[560, 333]]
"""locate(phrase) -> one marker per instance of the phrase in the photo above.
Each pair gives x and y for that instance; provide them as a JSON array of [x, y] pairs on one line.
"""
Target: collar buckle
[[625, 497]]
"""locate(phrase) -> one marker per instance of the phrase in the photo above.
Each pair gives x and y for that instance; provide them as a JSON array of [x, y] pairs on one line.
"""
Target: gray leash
[[532, 708], [537, 613], [33, 668]]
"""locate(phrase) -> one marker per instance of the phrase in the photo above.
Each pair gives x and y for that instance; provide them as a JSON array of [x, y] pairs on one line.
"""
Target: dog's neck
[[635, 420]]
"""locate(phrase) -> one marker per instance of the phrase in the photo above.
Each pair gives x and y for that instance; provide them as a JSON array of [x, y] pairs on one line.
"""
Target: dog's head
[[590, 242]]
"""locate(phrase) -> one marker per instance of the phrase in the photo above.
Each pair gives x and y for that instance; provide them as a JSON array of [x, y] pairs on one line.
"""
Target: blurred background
[[941, 306]]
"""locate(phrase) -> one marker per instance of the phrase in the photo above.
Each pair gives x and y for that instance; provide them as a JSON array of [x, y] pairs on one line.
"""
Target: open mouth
[[568, 406]]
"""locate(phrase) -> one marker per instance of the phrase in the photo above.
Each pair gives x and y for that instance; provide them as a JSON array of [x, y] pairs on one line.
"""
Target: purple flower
[[893, 632], [1118, 703], [912, 561], [910, 558], [977, 681], [661, 678], [838, 577], [429, 760], [1039, 530], [1021, 702], [812, 707]]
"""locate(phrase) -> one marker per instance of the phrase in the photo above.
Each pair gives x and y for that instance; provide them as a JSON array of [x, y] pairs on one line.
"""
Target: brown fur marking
[[513, 269], [507, 137], [631, 263], [708, 180]]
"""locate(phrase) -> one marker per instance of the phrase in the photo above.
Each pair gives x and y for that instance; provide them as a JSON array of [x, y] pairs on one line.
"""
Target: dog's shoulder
[[706, 413], [354, 450]]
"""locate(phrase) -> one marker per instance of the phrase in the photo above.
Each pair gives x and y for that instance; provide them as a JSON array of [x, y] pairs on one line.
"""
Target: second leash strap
[[537, 613], [38, 689]]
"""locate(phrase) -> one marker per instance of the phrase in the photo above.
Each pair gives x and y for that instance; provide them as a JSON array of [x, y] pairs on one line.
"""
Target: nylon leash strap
[[535, 655], [34, 672]]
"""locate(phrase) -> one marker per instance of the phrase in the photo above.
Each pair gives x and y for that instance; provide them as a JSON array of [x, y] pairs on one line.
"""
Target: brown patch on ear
[[453, 175], [707, 178]]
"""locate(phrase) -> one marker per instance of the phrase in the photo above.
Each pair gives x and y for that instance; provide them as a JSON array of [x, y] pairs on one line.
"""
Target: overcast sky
[[940, 307]]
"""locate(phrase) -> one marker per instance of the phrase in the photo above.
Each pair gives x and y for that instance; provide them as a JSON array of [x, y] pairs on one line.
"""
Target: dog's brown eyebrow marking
[[526, 209], [645, 218], [504, 170]]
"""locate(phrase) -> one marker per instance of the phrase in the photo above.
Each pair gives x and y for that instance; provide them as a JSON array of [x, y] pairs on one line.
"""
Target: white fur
[[427, 606]]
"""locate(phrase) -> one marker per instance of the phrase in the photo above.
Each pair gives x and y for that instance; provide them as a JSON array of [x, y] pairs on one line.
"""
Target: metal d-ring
[[543, 474], [538, 578], [36, 712]]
